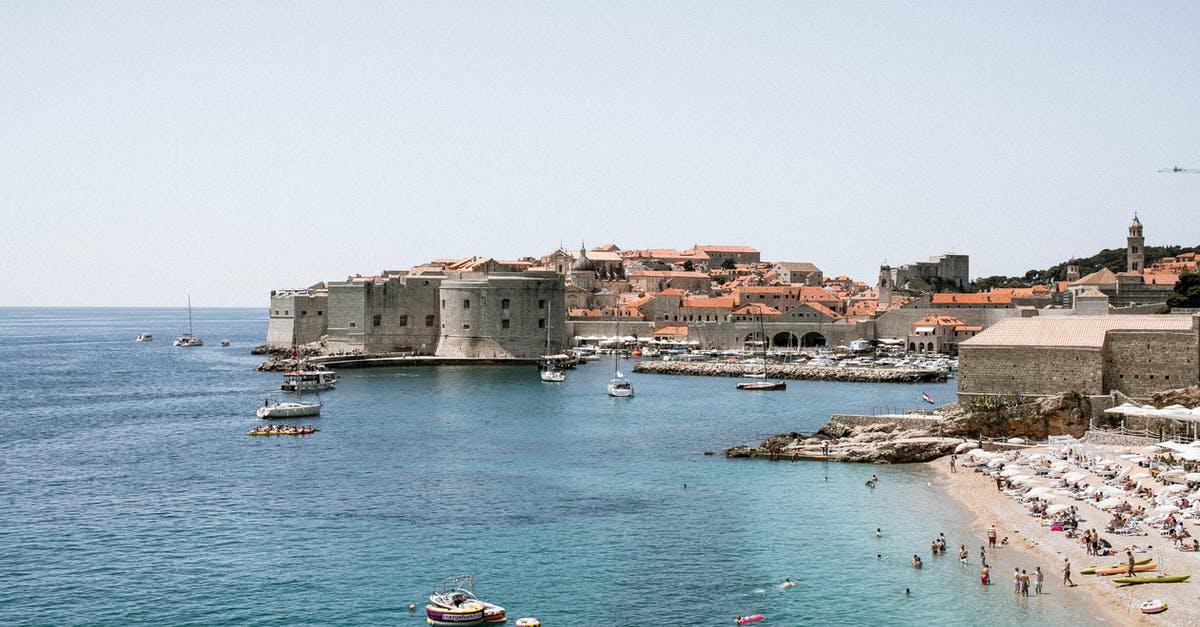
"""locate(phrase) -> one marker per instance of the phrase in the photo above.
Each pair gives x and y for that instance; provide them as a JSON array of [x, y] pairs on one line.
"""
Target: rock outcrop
[[884, 443]]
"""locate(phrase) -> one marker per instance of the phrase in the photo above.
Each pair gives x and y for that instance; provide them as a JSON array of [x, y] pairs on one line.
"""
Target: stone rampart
[[789, 371]]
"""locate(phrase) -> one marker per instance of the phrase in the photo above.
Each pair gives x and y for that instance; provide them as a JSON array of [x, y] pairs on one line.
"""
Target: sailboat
[[619, 386], [187, 339], [764, 384], [549, 373]]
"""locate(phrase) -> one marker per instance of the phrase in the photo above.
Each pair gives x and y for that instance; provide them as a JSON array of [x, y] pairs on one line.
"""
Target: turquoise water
[[130, 494]]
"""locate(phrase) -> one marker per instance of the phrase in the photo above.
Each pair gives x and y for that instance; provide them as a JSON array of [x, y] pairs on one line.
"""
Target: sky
[[154, 150]]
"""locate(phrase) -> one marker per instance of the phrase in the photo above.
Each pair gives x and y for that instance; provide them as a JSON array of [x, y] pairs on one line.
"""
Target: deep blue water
[[130, 495]]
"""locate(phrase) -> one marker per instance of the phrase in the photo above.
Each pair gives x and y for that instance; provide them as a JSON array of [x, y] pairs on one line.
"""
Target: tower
[[1072, 270], [885, 286], [1135, 248]]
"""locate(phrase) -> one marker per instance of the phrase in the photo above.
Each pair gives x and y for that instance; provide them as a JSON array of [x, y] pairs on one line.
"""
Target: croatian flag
[[926, 398]]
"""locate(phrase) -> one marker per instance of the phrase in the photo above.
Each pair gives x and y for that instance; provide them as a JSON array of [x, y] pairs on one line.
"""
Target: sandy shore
[[1031, 544]]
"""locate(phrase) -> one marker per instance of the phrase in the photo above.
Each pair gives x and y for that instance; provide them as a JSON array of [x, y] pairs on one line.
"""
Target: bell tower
[[885, 286], [1135, 247], [1072, 270]]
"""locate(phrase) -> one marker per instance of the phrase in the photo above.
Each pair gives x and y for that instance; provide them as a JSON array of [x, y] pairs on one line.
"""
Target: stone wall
[[298, 315], [384, 315], [1141, 363], [897, 323], [1028, 371], [501, 316]]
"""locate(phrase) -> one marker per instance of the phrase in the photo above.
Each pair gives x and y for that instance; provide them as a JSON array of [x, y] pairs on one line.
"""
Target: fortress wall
[[897, 323], [1029, 371], [397, 314], [1141, 363], [347, 315], [302, 316], [475, 312]]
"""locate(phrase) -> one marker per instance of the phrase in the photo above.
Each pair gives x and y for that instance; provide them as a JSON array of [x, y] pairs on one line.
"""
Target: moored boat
[[454, 603], [288, 409], [762, 385], [308, 380], [188, 340], [1136, 579], [145, 337]]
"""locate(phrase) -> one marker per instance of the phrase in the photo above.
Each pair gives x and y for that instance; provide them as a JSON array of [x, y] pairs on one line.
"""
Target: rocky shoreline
[[882, 442], [790, 371]]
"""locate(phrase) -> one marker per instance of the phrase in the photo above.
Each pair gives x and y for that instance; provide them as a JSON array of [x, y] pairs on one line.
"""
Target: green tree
[[1187, 292]]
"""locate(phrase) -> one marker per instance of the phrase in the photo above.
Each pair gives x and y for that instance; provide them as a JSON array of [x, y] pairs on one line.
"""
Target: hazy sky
[[224, 149]]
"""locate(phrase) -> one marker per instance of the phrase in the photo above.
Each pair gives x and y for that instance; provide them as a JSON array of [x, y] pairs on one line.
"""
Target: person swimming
[[787, 583]]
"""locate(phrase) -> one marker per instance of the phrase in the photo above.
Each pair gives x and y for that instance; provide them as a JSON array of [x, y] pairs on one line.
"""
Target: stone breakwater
[[886, 440], [790, 371]]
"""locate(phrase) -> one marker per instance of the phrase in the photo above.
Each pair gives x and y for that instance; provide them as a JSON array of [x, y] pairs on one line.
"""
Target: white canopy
[[1171, 489], [1072, 477]]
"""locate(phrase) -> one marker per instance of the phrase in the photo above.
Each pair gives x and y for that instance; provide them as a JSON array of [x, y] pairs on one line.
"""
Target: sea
[[130, 493]]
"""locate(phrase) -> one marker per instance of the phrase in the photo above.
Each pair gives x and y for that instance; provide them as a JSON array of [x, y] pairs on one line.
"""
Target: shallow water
[[130, 494]]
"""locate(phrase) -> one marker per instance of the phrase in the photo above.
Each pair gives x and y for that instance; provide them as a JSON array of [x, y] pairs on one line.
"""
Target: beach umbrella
[[1174, 472], [1016, 441], [1108, 502], [1172, 489], [1192, 476], [964, 447], [1072, 477], [977, 451], [1113, 490], [1057, 507], [1020, 479], [1165, 509], [1010, 470], [1140, 475], [1040, 492]]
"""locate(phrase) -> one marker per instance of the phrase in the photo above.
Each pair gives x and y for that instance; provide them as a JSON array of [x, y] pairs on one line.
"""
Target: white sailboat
[[548, 372], [764, 384], [187, 339], [619, 386]]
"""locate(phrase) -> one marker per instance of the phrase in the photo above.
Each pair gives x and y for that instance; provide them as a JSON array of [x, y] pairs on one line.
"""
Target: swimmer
[[906, 591], [878, 532], [880, 557], [412, 608], [787, 583]]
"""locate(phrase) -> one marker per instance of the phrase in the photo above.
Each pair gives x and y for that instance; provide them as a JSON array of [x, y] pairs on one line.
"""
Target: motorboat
[[145, 337], [763, 384], [288, 409], [454, 603], [308, 380]]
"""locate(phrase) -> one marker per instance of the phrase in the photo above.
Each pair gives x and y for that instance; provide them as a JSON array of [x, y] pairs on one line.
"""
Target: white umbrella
[[1113, 490], [964, 447], [1072, 477], [1192, 476], [1016, 441], [1108, 502], [1172, 489], [1057, 507], [976, 451], [1139, 475], [1010, 471], [1020, 479], [1038, 491], [1165, 509]]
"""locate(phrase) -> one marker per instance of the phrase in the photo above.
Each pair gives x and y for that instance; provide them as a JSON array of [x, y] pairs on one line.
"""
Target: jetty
[[791, 371]]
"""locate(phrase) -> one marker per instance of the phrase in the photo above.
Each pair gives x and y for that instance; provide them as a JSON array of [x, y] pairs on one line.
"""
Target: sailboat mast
[[189, 314]]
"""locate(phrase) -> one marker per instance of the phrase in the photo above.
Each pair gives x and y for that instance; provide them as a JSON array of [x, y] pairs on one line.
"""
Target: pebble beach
[[1033, 540]]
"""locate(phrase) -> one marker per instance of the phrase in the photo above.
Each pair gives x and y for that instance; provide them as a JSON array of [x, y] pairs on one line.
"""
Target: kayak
[[1146, 579], [1124, 569], [1092, 570]]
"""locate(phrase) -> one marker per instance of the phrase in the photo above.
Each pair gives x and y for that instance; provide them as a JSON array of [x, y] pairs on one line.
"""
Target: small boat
[[550, 374], [281, 430], [224, 342], [1147, 579], [454, 603], [1157, 606], [742, 620], [288, 409], [528, 622], [1093, 569], [187, 339], [145, 337], [762, 385], [1137, 568], [620, 386], [308, 380]]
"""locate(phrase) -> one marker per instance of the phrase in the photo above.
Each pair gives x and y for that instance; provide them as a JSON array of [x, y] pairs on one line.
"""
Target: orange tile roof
[[985, 298], [967, 328], [584, 313], [712, 303], [671, 331], [825, 310], [667, 274], [756, 309], [723, 249], [938, 321], [672, 291]]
